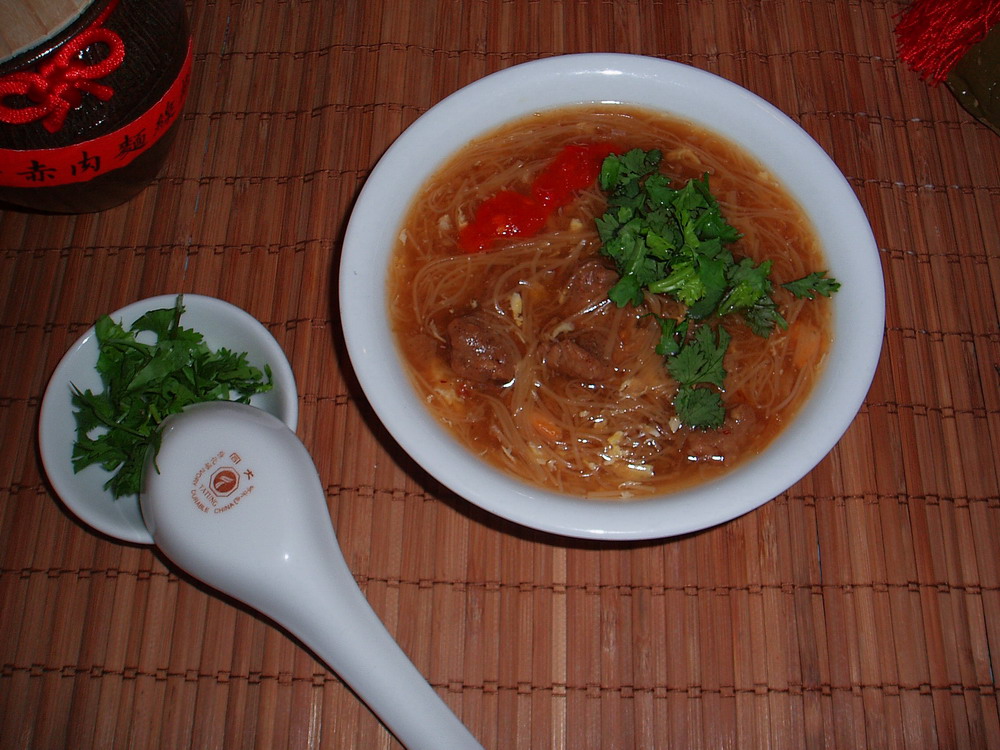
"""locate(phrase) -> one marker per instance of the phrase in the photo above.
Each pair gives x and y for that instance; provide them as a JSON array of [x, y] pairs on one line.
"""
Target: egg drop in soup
[[609, 303]]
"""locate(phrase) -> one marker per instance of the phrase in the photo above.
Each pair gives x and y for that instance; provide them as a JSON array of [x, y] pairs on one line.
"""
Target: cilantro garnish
[[143, 384], [675, 241], [695, 367], [815, 283]]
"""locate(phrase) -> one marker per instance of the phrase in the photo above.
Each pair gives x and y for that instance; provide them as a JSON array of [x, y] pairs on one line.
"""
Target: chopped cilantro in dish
[[146, 382]]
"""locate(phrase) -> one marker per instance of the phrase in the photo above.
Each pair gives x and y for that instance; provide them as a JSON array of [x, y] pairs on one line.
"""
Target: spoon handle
[[337, 623]]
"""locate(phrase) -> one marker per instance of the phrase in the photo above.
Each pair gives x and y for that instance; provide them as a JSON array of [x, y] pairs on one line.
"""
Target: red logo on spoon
[[225, 481]]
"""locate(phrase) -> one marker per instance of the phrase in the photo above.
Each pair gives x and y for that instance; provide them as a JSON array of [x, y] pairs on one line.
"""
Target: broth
[[576, 400]]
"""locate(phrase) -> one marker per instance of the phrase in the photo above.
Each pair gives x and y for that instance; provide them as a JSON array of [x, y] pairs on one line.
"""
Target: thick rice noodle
[[616, 436]]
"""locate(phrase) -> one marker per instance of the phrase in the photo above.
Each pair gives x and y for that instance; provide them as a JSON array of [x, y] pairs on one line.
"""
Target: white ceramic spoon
[[235, 500]]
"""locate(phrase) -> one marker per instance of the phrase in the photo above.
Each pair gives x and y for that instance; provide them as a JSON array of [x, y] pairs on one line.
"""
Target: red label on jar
[[81, 162]]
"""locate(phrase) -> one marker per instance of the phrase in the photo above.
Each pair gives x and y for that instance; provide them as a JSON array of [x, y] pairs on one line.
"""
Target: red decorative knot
[[59, 84], [933, 35]]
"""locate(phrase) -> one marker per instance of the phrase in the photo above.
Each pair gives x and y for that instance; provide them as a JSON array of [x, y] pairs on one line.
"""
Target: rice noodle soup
[[519, 350]]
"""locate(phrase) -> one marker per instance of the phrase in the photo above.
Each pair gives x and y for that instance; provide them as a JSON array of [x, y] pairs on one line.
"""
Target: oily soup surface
[[520, 353]]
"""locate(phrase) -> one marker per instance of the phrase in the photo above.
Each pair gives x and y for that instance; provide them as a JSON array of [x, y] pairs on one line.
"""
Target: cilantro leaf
[[700, 359], [763, 317], [620, 175], [672, 333], [697, 367], [700, 407], [684, 282], [748, 284], [812, 284]]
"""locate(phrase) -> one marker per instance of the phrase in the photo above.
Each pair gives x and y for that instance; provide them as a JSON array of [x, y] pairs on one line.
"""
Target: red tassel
[[933, 35]]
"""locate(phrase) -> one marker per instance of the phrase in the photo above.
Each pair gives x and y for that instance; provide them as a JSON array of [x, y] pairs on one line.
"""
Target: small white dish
[[222, 325], [783, 147]]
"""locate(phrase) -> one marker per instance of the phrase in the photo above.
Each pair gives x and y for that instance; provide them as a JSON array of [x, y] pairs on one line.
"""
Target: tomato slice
[[575, 168], [506, 214], [513, 214]]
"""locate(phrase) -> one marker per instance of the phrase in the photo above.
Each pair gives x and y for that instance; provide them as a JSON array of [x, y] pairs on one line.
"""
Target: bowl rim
[[123, 519], [798, 162]]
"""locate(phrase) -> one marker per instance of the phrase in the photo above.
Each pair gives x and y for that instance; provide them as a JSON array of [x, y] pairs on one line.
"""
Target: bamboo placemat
[[861, 608]]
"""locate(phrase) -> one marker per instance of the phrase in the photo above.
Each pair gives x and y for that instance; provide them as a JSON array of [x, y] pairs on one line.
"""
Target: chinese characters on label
[[82, 162]]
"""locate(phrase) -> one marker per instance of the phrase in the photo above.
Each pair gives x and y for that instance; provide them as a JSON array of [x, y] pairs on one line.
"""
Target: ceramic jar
[[88, 113]]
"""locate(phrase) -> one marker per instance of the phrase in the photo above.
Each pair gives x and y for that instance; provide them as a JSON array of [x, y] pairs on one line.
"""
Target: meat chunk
[[589, 284], [579, 358], [481, 350], [739, 428]]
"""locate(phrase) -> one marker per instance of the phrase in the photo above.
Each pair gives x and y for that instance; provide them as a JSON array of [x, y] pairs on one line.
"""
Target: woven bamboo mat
[[860, 609]]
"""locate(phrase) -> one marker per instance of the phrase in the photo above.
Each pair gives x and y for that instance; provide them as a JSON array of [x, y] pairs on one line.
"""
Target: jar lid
[[28, 23]]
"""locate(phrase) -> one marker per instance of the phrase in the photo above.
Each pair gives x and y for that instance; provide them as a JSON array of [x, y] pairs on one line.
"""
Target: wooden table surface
[[859, 609]]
